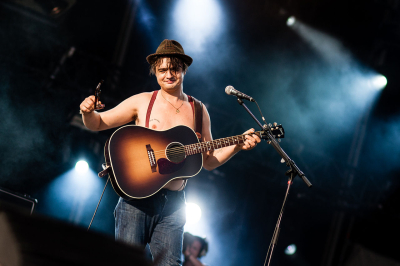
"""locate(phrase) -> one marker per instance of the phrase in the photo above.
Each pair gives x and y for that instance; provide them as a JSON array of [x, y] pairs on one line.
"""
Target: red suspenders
[[153, 98]]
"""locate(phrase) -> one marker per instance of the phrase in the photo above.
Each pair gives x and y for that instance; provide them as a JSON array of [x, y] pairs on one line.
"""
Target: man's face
[[195, 248], [167, 77]]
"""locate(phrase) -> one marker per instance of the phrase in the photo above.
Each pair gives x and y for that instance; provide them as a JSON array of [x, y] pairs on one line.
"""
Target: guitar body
[[143, 160]]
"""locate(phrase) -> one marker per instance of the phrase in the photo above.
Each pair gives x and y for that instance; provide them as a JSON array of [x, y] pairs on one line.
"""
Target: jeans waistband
[[172, 193]]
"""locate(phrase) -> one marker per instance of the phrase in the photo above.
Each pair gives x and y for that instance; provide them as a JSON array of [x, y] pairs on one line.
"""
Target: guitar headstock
[[278, 132]]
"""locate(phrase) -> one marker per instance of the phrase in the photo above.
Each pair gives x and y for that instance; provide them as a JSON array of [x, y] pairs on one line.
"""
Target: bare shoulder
[[206, 115], [205, 110], [206, 134], [137, 102]]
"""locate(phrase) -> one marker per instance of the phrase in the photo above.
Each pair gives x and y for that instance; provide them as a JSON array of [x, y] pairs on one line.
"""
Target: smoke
[[24, 143], [318, 91], [383, 145], [328, 47]]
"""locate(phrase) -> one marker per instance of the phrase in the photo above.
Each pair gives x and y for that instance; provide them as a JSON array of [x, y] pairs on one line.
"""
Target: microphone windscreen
[[228, 89]]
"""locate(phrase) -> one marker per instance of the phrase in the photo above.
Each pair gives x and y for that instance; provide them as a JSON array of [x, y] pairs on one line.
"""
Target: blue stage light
[[193, 213], [196, 21], [291, 249], [290, 21], [379, 81], [81, 166]]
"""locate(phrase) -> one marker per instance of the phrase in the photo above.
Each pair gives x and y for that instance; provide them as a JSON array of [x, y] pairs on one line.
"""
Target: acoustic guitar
[[142, 161]]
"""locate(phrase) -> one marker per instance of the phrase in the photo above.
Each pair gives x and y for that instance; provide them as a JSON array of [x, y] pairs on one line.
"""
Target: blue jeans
[[157, 221]]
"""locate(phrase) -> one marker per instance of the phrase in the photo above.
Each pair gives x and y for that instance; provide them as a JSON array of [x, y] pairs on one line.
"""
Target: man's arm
[[213, 159], [124, 113]]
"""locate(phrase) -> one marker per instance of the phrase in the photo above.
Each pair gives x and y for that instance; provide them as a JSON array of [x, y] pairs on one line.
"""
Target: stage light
[[72, 195], [291, 249], [193, 213], [290, 21], [379, 82], [196, 21], [81, 166]]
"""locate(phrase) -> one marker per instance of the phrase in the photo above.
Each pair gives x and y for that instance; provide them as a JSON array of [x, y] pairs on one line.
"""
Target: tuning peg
[[275, 124], [279, 140], [269, 142], [269, 124]]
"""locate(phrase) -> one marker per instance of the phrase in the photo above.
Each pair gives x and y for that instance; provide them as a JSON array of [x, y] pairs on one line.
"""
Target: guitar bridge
[[152, 158]]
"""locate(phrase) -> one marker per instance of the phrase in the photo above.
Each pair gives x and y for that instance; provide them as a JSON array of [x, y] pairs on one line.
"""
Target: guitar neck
[[215, 144]]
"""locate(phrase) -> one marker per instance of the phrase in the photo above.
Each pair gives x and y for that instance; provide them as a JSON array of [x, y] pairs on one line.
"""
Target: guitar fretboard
[[214, 144]]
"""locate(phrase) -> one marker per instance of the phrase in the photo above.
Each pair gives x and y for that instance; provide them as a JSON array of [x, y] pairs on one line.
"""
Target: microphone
[[230, 90]]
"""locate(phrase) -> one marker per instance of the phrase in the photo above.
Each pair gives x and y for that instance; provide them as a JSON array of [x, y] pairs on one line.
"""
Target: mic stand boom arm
[[289, 162]]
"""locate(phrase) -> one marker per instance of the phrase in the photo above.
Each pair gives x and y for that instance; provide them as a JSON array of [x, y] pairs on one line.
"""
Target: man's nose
[[169, 73]]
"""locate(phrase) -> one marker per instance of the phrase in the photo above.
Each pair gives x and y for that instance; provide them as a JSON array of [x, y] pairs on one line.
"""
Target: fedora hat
[[170, 47]]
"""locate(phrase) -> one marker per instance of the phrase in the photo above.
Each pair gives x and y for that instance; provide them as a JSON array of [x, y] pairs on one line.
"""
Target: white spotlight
[[290, 21], [193, 213], [291, 249], [81, 166], [379, 81]]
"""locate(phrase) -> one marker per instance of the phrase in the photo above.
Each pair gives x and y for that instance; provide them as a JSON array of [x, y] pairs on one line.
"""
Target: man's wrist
[[84, 113], [238, 148]]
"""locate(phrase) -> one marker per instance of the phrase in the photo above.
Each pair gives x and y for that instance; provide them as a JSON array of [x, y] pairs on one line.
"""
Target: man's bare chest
[[163, 117]]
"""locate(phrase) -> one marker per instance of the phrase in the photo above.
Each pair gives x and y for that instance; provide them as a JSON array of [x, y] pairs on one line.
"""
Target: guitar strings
[[203, 144], [178, 150]]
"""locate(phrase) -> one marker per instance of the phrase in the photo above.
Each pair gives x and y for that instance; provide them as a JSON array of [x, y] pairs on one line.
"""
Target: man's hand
[[251, 140], [88, 105]]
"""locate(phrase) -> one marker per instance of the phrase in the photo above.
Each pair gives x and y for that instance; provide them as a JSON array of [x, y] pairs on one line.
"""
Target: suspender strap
[[191, 103], [197, 107], [153, 98]]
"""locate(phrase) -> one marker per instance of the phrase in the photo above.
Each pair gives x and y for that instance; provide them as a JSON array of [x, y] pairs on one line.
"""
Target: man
[[159, 219]]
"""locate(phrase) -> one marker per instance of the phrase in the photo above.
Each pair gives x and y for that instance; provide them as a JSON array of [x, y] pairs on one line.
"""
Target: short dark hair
[[188, 239], [174, 63]]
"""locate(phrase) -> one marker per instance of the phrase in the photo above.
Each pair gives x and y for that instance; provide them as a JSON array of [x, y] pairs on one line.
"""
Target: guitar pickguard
[[166, 167]]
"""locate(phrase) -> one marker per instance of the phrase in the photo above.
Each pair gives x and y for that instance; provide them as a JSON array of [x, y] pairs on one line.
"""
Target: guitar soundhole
[[175, 152]]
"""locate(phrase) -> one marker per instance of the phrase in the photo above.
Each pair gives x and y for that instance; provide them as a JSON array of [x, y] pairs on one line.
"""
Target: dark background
[[314, 78]]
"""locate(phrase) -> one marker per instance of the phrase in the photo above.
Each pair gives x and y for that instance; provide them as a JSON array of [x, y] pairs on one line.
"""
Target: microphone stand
[[292, 172]]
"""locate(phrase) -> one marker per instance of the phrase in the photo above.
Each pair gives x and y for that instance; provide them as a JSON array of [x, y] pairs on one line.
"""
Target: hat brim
[[187, 59]]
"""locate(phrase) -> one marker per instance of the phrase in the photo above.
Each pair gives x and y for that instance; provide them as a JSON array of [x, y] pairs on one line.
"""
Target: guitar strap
[[197, 108]]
